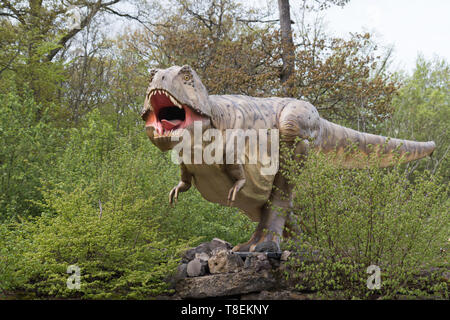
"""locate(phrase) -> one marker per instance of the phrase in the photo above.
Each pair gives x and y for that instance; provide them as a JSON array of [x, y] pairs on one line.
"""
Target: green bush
[[422, 113], [104, 208], [96, 154], [28, 147], [118, 248], [351, 219]]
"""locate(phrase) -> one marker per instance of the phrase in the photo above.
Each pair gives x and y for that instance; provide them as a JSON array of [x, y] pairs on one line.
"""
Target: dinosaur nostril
[[163, 77]]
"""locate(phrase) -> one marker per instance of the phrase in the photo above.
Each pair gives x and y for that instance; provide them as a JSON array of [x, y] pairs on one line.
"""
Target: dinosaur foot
[[267, 246], [265, 243]]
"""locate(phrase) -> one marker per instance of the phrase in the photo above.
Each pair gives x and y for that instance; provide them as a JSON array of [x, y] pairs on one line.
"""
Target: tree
[[34, 32], [216, 39], [287, 44], [287, 41], [422, 112], [345, 79]]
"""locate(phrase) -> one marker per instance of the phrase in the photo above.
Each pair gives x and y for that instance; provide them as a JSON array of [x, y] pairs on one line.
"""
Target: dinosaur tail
[[346, 143]]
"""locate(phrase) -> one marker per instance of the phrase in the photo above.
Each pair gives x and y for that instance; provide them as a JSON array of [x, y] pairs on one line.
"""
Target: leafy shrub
[[351, 219], [105, 209], [97, 154], [422, 113], [118, 249], [28, 147]]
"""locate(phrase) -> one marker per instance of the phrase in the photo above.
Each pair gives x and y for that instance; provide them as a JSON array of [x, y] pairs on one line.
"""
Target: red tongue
[[169, 125]]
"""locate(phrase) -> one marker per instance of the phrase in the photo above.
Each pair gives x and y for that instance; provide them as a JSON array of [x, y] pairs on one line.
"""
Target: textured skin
[[294, 118]]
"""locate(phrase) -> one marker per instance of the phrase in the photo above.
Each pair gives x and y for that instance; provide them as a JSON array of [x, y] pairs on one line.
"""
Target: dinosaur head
[[175, 98]]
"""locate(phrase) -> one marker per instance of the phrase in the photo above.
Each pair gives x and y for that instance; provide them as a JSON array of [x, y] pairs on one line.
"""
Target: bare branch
[[128, 16], [8, 64], [17, 14], [62, 42], [259, 21]]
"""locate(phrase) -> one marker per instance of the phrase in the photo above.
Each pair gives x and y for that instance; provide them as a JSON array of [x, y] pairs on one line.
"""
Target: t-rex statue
[[176, 98]]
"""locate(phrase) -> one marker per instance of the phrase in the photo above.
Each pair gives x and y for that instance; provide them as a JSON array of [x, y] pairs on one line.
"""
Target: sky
[[412, 27]]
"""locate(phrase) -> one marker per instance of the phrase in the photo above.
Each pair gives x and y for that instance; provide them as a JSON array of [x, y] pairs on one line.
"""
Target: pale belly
[[213, 183]]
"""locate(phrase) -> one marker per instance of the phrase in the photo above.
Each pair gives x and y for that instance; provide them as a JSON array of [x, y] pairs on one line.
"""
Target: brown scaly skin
[[243, 185]]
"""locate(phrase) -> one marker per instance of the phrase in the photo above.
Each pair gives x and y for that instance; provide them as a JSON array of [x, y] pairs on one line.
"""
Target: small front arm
[[183, 185], [237, 174]]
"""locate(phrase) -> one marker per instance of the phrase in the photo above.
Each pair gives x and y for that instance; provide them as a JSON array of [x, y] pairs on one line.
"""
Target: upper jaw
[[166, 115], [172, 99], [151, 106]]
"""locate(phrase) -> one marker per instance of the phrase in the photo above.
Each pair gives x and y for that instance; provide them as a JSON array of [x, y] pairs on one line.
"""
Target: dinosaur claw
[[233, 191], [230, 202], [173, 196]]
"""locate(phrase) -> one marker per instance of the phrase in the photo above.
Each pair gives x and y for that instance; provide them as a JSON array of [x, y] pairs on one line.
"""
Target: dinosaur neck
[[222, 115]]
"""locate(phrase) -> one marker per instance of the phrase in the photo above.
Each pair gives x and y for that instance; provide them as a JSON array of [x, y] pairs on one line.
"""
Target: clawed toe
[[233, 191]]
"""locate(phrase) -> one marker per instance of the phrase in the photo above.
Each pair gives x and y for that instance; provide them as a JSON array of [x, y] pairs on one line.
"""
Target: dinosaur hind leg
[[269, 231], [298, 119]]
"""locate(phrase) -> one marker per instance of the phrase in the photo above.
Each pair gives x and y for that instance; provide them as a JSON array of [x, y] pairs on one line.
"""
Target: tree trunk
[[287, 46]]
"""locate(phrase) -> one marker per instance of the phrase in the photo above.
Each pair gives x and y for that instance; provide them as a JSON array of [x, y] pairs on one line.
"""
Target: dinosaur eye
[[152, 74], [187, 77]]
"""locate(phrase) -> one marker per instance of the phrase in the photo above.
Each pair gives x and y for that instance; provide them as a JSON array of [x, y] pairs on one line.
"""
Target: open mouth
[[167, 114]]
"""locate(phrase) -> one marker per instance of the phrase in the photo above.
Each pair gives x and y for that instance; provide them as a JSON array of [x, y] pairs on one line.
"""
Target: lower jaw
[[169, 139], [164, 143], [175, 132]]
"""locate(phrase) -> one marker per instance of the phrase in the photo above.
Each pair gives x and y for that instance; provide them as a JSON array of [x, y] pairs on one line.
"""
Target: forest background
[[80, 184]]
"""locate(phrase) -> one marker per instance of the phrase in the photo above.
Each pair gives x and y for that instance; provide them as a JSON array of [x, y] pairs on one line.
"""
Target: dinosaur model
[[176, 99]]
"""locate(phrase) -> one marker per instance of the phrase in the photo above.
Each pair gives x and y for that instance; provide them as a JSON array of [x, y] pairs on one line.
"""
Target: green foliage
[[351, 219], [28, 148], [422, 113], [97, 215], [118, 249], [81, 184], [104, 208]]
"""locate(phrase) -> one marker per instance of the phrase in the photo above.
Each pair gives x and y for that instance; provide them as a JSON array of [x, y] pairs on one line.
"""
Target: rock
[[267, 246], [218, 243], [285, 255], [277, 295], [196, 268], [181, 271], [202, 256], [257, 262], [225, 285], [205, 248], [189, 255], [224, 261]]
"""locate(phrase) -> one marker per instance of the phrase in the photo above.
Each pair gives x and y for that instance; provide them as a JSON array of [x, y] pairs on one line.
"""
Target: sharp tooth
[[175, 102]]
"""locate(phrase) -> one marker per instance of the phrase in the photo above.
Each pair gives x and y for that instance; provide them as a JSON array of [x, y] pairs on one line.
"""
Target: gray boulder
[[224, 261]]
